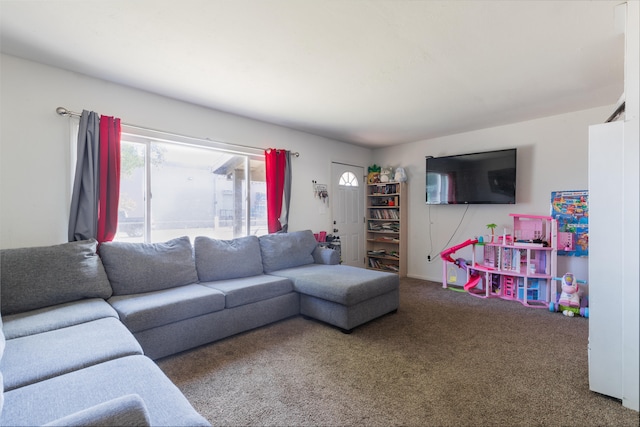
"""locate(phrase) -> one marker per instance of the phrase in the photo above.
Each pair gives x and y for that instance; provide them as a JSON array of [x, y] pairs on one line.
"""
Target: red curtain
[[275, 162], [109, 191]]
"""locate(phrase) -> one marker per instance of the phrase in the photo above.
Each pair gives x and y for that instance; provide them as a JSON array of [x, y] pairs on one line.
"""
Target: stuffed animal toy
[[569, 302], [373, 175], [401, 176]]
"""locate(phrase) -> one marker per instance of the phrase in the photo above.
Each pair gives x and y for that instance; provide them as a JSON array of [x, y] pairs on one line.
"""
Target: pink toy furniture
[[520, 267]]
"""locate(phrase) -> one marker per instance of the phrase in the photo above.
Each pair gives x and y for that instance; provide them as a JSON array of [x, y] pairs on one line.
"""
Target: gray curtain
[[83, 215], [286, 194]]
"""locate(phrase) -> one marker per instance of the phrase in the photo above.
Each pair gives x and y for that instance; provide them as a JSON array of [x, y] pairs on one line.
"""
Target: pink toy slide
[[473, 282]]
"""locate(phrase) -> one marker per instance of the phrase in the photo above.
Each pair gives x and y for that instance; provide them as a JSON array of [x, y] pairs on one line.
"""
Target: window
[[173, 188], [348, 179]]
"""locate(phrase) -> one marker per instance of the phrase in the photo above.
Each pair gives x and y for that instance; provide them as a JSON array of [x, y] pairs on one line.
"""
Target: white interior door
[[348, 211]]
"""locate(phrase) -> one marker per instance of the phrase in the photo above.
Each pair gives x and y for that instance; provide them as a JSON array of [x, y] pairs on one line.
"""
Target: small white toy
[[401, 176], [569, 296], [569, 302]]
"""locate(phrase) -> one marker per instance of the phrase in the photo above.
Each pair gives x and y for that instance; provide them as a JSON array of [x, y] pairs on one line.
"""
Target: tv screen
[[475, 178]]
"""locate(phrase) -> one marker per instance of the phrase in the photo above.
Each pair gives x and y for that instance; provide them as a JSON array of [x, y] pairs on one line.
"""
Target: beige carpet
[[445, 359]]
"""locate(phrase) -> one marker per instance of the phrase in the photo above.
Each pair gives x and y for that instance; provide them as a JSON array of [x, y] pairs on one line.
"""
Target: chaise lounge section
[[340, 295], [90, 325]]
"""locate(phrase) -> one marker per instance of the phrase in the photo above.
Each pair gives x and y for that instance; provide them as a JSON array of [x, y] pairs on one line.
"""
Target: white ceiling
[[373, 73]]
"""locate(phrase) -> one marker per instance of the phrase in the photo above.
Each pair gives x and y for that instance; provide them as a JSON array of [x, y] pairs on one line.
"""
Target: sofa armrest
[[324, 255], [128, 410]]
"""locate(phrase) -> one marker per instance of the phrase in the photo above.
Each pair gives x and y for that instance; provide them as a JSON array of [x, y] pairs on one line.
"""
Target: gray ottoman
[[343, 296]]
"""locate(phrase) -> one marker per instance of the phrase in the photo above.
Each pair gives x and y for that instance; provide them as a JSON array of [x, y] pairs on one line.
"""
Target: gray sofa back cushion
[[39, 277], [135, 268], [227, 259], [2, 344], [286, 250]]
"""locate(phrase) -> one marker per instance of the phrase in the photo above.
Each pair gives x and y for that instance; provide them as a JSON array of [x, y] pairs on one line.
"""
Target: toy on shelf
[[492, 227], [569, 301], [373, 174], [401, 175], [386, 174]]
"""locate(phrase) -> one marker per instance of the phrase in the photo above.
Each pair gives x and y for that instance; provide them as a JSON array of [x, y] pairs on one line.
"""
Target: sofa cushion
[[56, 317], [66, 394], [135, 268], [286, 250], [149, 310], [342, 284], [125, 411], [247, 290], [38, 277], [227, 259], [2, 344], [34, 358]]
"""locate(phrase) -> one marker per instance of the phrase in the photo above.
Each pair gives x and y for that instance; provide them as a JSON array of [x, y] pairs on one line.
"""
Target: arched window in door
[[348, 179]]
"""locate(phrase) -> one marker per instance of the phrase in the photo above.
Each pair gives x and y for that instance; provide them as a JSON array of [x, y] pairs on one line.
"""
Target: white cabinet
[[614, 282], [605, 269]]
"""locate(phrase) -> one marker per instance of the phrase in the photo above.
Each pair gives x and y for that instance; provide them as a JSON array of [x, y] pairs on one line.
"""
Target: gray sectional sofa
[[80, 330]]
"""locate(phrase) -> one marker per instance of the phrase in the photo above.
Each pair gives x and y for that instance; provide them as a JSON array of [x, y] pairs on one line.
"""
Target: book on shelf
[[377, 252], [386, 239], [388, 227], [382, 189], [383, 214], [383, 253], [374, 263]]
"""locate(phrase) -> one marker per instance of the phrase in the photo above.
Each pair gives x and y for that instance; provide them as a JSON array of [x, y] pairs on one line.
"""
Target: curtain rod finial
[[67, 113]]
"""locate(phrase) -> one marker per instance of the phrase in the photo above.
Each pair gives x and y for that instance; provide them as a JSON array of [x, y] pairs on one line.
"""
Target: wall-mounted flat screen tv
[[474, 178]]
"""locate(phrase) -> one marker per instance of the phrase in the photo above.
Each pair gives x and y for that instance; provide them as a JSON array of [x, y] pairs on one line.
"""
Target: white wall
[[35, 177], [35, 168], [552, 156]]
